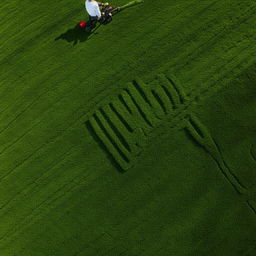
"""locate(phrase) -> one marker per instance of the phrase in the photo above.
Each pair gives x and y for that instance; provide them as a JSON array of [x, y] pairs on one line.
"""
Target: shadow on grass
[[76, 34]]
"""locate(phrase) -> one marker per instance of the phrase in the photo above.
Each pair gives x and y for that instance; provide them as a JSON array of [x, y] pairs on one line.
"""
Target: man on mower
[[98, 11], [93, 9]]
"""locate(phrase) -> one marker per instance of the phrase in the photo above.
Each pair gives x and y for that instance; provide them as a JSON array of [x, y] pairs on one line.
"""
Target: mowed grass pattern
[[61, 194], [123, 125]]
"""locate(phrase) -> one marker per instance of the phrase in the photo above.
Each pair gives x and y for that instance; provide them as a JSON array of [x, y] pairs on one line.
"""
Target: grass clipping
[[130, 4]]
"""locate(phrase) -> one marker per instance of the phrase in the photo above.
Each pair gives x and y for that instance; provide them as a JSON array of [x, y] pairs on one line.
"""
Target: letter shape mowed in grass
[[123, 125], [199, 132]]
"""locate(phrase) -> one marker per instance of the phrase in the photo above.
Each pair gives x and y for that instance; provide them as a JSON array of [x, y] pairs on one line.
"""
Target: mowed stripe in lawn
[[221, 42]]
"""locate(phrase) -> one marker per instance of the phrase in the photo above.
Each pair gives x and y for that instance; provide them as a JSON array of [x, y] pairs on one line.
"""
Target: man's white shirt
[[92, 8]]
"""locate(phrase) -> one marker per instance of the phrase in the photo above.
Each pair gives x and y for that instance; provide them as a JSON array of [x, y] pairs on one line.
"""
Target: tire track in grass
[[48, 88], [204, 47], [215, 41], [34, 150], [30, 186], [48, 175], [53, 140], [23, 161], [36, 154], [29, 106], [39, 178], [41, 81], [8, 12], [42, 78], [182, 26], [37, 212], [179, 25], [48, 197], [176, 121], [49, 108], [175, 20], [18, 35], [32, 127], [215, 82], [36, 20], [245, 45], [176, 64], [12, 95], [202, 93], [221, 70], [47, 205]]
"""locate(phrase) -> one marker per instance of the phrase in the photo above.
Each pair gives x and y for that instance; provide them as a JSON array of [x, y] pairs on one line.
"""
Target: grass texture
[[138, 139]]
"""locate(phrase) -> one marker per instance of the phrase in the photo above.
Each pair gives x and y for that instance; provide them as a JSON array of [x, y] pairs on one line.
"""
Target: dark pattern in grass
[[200, 134], [122, 126]]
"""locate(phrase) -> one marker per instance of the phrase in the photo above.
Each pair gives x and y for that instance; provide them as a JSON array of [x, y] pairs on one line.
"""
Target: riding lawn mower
[[107, 12]]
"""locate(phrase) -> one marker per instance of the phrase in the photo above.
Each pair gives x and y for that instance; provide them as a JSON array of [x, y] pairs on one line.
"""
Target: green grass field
[[137, 140]]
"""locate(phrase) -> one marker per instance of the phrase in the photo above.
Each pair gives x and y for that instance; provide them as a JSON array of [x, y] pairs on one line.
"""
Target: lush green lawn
[[191, 189]]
